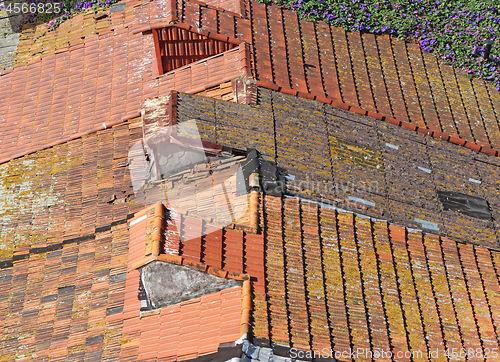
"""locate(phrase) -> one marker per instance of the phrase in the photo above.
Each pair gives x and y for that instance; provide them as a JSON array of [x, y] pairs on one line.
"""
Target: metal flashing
[[428, 224], [475, 181], [424, 169], [465, 204], [362, 201]]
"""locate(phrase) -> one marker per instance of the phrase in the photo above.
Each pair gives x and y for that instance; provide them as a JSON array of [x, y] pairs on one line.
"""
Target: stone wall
[[9, 36]]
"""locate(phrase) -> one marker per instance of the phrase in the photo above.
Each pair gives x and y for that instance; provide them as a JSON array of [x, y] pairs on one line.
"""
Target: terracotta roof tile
[[219, 314], [191, 14], [406, 288], [358, 148], [213, 245], [333, 278], [293, 46], [477, 297]]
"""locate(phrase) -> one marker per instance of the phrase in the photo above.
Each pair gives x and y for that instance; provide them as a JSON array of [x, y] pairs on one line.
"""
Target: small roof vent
[[465, 204]]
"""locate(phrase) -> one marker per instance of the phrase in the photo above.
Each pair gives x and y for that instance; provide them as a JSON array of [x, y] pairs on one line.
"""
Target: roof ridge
[[381, 117], [152, 251]]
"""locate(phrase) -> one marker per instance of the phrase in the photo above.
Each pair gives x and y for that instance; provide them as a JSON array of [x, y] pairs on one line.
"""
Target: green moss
[[27, 187]]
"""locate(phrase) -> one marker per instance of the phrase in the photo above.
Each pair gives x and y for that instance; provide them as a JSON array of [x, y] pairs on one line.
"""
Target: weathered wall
[[9, 38]]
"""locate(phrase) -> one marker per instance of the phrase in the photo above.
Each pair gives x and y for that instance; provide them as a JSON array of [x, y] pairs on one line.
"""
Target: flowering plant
[[456, 31]]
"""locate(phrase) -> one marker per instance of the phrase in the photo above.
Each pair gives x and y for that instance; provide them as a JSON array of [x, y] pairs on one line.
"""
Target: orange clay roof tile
[[371, 271], [351, 48], [359, 83], [407, 249], [230, 316]]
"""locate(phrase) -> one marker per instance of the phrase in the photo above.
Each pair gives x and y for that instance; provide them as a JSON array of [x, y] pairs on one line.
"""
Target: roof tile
[[405, 282], [476, 290], [293, 46], [454, 284], [278, 47]]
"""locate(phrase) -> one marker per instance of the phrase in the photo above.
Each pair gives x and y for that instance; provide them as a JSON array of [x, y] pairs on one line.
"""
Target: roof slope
[[195, 326], [357, 162], [379, 74], [321, 277], [66, 292], [70, 190], [75, 92], [64, 247], [353, 282], [67, 209]]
